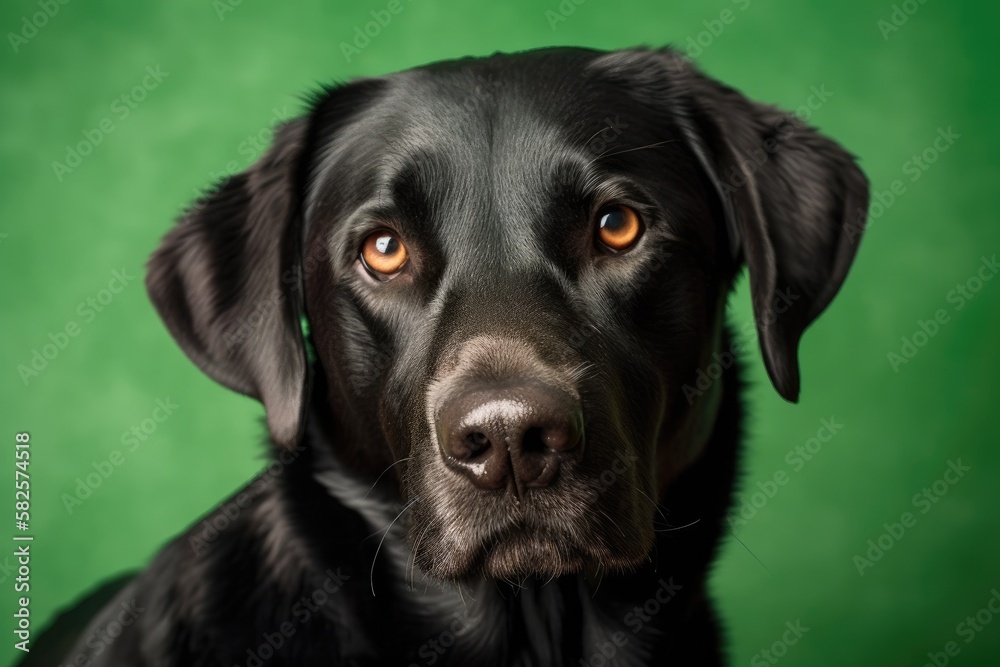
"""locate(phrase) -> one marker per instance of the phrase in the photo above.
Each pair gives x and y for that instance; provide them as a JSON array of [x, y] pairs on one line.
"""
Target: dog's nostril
[[475, 444], [520, 432], [534, 440], [562, 438]]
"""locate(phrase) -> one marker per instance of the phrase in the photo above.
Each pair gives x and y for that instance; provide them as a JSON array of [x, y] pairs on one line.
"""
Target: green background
[[231, 74]]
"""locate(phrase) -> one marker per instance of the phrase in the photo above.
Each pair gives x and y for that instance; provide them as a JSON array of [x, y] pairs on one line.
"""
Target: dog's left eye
[[384, 254], [618, 228]]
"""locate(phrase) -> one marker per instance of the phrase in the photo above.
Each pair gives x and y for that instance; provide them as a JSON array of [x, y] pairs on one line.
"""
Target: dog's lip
[[534, 536], [517, 545], [523, 554]]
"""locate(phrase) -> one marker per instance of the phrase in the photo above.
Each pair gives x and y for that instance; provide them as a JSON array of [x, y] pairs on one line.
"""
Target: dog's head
[[512, 267]]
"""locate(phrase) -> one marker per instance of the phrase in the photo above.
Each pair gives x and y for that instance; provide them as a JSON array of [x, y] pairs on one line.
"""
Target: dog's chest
[[536, 624]]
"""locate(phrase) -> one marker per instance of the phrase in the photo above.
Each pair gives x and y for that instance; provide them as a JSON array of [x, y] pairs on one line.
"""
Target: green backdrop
[[158, 99]]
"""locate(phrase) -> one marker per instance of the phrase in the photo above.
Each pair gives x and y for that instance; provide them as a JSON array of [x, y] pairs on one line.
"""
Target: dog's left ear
[[795, 203], [225, 280]]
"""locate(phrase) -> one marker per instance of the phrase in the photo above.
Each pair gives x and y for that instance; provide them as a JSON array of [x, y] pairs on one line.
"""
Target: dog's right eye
[[618, 228], [383, 254]]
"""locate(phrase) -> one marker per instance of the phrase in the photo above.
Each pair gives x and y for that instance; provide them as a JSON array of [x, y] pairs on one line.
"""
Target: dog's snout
[[517, 434]]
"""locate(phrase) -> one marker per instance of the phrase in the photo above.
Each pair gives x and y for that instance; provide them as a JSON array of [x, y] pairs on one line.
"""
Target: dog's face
[[512, 267]]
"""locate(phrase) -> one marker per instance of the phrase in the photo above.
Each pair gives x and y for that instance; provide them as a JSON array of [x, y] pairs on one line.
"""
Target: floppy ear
[[795, 202], [225, 280]]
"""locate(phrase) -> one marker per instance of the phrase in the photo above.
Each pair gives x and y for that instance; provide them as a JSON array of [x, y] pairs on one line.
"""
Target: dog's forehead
[[487, 141], [513, 112], [486, 155]]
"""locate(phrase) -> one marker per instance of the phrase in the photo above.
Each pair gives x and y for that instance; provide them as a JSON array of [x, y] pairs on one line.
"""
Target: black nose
[[516, 433]]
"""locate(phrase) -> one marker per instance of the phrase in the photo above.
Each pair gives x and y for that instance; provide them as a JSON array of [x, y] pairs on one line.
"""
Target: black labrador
[[483, 304]]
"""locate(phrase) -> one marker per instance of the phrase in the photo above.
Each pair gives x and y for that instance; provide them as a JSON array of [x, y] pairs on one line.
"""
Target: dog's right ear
[[225, 280]]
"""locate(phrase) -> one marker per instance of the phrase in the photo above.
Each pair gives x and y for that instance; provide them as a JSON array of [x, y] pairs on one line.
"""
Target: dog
[[483, 303]]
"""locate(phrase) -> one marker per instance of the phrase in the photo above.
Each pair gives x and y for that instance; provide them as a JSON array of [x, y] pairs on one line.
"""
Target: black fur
[[492, 172]]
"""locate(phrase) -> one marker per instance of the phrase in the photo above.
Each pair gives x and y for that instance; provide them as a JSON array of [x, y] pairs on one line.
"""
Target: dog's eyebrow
[[580, 177], [408, 188], [577, 178], [409, 184]]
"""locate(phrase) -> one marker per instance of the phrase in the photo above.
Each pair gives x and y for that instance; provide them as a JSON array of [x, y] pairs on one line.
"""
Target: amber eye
[[619, 227], [383, 253]]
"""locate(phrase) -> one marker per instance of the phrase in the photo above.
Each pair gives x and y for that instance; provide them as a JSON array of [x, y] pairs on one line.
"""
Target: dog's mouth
[[531, 551], [520, 548]]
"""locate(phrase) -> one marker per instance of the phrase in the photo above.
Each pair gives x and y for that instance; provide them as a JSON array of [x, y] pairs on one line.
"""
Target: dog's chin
[[519, 555]]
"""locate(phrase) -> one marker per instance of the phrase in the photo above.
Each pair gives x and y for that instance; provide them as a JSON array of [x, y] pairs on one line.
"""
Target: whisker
[[384, 535], [629, 150], [655, 504], [470, 591], [673, 528], [613, 522], [408, 458], [593, 136], [600, 579], [583, 371], [412, 561]]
